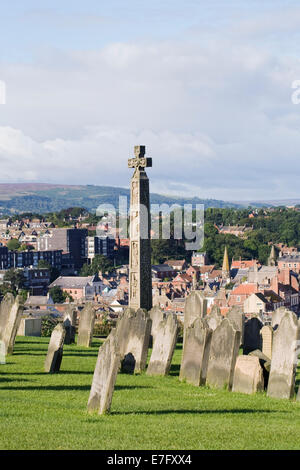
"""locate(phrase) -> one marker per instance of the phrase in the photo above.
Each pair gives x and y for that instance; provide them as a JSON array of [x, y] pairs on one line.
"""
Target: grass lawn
[[48, 411]]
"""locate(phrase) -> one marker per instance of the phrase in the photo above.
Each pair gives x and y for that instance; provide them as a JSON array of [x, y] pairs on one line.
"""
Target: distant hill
[[41, 198]]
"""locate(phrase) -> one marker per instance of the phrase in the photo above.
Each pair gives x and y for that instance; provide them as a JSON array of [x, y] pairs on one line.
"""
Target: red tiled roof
[[244, 289]]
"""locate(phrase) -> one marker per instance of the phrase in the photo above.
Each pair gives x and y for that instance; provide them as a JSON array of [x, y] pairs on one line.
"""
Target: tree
[[15, 278], [57, 295], [13, 244], [99, 263]]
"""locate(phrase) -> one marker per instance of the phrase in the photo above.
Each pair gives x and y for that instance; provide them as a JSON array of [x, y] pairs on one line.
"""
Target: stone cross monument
[[140, 282]]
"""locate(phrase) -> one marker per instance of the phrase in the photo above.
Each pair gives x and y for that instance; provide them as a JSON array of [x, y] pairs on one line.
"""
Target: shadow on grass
[[175, 369], [69, 387], [61, 372], [197, 412]]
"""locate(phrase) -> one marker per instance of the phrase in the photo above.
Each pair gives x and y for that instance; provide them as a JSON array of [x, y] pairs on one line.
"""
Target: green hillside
[[47, 198]]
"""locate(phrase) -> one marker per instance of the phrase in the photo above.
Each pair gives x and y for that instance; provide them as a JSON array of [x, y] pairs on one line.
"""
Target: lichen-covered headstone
[[13, 312], [164, 345], [105, 375], [267, 340], [133, 336], [55, 349], [214, 319], [252, 337], [195, 307], [284, 357], [2, 352], [156, 315], [248, 375], [86, 326], [195, 353], [70, 318], [265, 363], [237, 317], [224, 350]]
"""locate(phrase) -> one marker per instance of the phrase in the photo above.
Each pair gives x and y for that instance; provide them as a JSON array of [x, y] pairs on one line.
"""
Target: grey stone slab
[[70, 319], [156, 315], [284, 357], [86, 326], [237, 317], [30, 327], [195, 307], [13, 319], [164, 345], [133, 336], [5, 308], [214, 319], [195, 353], [223, 354], [277, 316], [248, 375], [252, 337], [105, 375], [55, 349]]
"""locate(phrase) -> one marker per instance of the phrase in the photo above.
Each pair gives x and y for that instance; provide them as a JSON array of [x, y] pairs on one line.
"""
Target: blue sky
[[205, 85]]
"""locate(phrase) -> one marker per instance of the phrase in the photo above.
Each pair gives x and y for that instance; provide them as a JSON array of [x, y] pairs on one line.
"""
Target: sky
[[205, 85]]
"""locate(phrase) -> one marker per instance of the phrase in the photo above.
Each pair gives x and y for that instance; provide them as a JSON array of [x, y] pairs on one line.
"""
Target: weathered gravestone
[[214, 319], [195, 307], [248, 375], [224, 349], [277, 316], [2, 352], [105, 375], [164, 345], [5, 308], [133, 336], [12, 314], [30, 327], [284, 357], [252, 338], [236, 316], [267, 340], [55, 349], [86, 326], [195, 353], [156, 315], [70, 318]]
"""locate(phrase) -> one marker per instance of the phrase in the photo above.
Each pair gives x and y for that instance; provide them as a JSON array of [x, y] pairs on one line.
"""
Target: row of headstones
[[211, 350], [126, 348]]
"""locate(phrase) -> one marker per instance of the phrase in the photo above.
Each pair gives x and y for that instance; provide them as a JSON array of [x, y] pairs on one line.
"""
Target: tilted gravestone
[[214, 319], [252, 337], [224, 350], [133, 335], [164, 345], [277, 316], [86, 326], [284, 357], [195, 307], [55, 349], [267, 340], [248, 375], [156, 315], [195, 353], [5, 308], [12, 314], [237, 317], [70, 318], [105, 375]]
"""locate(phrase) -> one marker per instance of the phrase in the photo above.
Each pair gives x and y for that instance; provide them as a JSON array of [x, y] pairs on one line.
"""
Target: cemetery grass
[[48, 411]]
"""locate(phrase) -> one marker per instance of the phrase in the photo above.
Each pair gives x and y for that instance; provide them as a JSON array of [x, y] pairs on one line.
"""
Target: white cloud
[[215, 115]]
